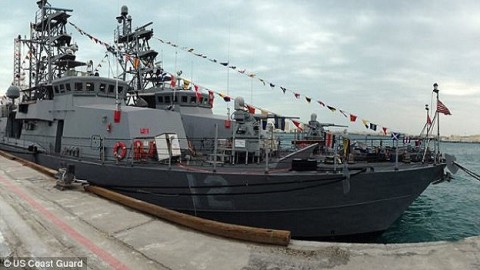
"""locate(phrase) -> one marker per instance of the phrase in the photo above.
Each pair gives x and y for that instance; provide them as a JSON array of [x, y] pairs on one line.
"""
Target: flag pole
[[427, 125], [436, 91], [429, 138]]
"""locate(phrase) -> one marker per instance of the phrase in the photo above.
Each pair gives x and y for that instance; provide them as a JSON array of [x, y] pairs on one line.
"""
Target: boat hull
[[309, 204]]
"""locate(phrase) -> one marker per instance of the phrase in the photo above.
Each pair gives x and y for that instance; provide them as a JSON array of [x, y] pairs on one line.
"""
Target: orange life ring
[[152, 149], [137, 149], [123, 150]]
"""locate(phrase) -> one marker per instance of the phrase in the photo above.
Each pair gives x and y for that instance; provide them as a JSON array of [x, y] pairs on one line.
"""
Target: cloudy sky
[[375, 59]]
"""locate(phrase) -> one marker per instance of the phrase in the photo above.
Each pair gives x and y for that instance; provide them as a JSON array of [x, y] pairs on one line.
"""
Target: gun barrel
[[331, 125]]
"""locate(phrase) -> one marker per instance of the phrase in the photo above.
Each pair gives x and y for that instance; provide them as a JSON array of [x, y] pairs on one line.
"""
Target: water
[[447, 211]]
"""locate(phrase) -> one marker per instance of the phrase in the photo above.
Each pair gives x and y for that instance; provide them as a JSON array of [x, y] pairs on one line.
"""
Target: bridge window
[[103, 87], [111, 89], [160, 99], [68, 87], [56, 89], [90, 86], [62, 88], [78, 86], [184, 99]]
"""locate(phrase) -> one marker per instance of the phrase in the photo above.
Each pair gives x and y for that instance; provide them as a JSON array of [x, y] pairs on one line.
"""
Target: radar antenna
[[136, 51]]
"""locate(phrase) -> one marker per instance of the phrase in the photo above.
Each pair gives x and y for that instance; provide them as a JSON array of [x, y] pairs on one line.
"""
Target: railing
[[213, 152]]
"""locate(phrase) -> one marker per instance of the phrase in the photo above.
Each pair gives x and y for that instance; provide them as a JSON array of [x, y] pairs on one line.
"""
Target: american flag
[[441, 108]]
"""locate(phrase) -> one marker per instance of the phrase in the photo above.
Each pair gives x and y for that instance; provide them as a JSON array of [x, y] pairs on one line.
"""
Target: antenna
[[228, 62]]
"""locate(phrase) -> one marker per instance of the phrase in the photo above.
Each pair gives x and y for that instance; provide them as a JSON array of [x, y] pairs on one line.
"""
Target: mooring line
[[467, 171]]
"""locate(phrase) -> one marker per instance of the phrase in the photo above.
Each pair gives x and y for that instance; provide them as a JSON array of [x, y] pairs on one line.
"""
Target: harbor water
[[448, 211]]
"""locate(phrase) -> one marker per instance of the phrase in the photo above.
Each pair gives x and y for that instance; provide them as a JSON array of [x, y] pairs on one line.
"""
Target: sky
[[377, 60]]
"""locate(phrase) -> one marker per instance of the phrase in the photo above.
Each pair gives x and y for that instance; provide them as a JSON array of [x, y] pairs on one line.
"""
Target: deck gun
[[317, 129]]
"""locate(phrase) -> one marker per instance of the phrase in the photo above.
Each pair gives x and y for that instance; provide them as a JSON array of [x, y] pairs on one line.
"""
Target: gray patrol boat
[[140, 136]]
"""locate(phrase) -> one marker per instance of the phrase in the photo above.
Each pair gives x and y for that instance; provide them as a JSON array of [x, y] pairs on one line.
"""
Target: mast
[[50, 52], [17, 63], [135, 49], [52, 48], [123, 30]]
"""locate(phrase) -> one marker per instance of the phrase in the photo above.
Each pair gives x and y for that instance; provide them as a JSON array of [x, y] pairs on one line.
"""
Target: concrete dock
[[38, 220]]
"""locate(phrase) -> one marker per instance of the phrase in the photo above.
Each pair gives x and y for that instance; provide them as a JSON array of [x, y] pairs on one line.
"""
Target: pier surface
[[39, 221]]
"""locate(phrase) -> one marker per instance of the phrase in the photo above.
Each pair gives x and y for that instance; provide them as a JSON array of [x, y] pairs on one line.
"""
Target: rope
[[467, 171]]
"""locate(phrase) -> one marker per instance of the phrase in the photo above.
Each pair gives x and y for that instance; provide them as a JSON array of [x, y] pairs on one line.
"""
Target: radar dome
[[124, 11], [13, 92]]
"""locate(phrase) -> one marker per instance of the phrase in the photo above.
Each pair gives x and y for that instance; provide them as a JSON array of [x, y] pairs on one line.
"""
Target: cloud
[[460, 88], [359, 56]]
